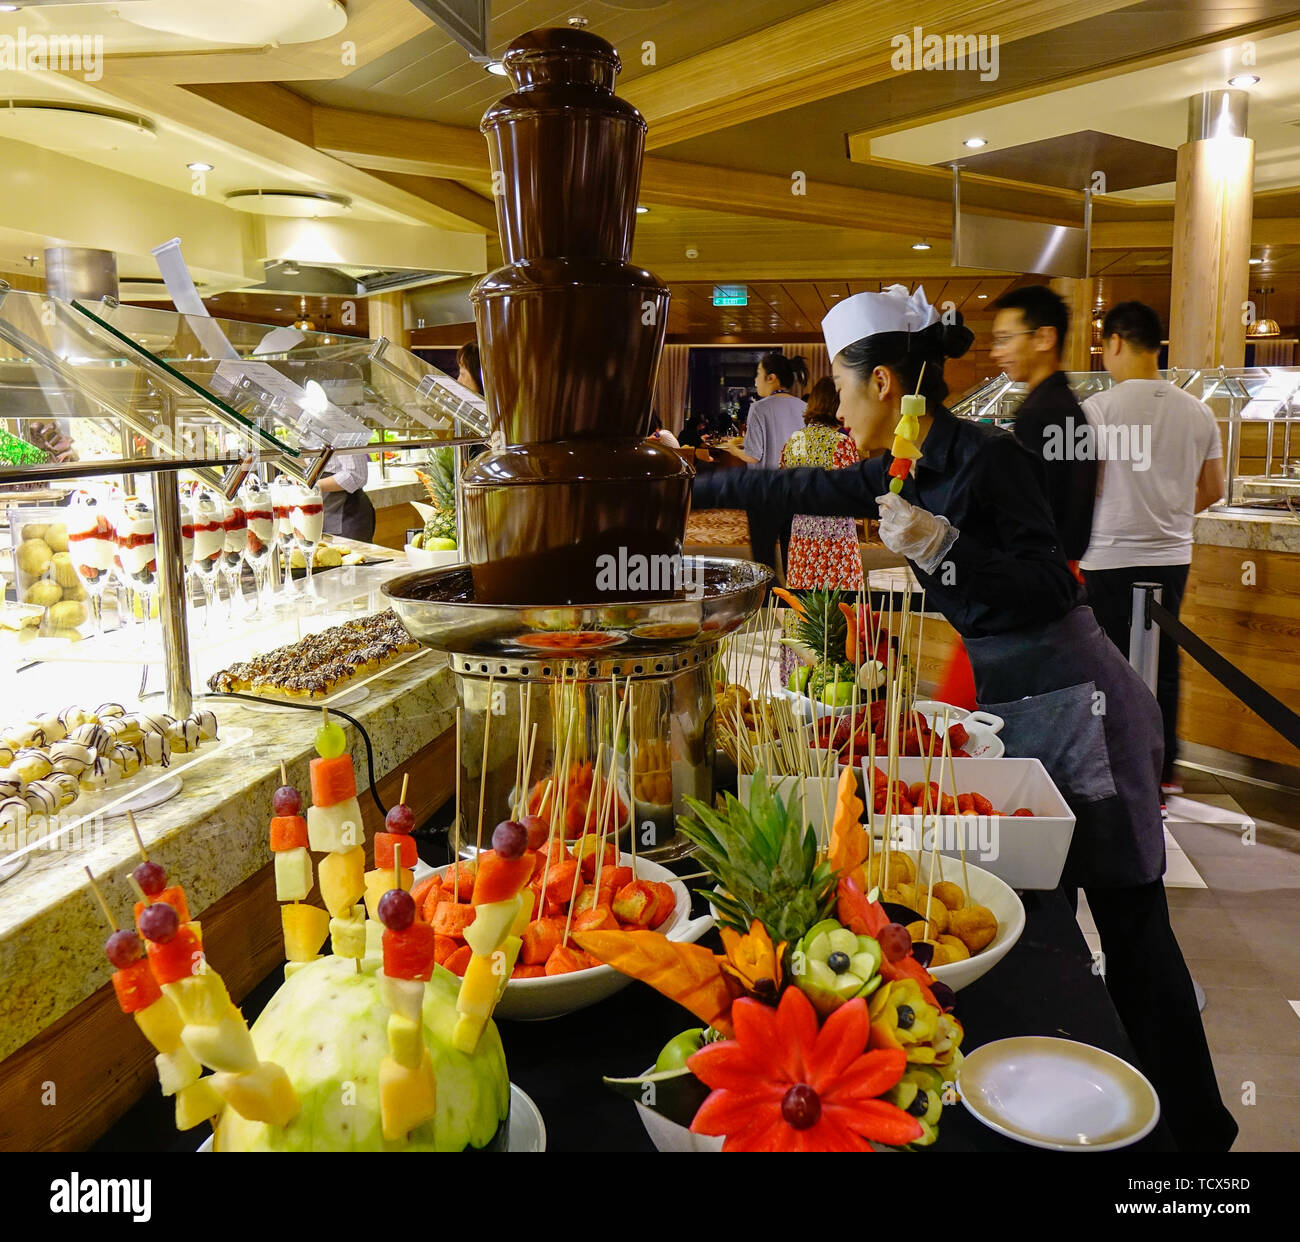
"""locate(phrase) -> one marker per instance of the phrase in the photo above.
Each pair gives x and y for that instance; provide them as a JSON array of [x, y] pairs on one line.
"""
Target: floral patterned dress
[[823, 550]]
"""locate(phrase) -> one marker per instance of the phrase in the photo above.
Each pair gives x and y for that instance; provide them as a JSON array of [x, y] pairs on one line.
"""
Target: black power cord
[[308, 707]]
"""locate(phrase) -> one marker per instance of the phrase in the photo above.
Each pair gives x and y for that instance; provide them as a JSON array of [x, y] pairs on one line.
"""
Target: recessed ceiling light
[[981, 296], [10, 8], [1256, 262], [495, 66], [1243, 79], [921, 245], [641, 209], [975, 142], [199, 166]]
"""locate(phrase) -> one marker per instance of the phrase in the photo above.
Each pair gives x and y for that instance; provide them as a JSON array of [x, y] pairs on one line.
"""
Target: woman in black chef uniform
[[976, 527]]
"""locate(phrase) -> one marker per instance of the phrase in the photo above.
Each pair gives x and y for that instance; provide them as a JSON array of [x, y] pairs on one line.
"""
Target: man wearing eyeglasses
[[1028, 335]]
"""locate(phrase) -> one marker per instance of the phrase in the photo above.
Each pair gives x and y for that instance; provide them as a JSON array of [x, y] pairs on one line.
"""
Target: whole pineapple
[[765, 862], [440, 483], [820, 634]]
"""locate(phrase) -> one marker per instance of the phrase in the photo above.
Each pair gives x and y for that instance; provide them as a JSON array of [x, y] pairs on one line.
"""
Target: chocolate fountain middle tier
[[575, 521], [571, 347]]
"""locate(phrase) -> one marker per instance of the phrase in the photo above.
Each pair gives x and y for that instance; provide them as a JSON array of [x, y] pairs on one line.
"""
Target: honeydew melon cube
[[161, 1023], [348, 934], [224, 1045], [374, 940], [379, 881], [403, 996], [305, 929], [491, 925], [197, 1103], [405, 1040], [263, 1094], [199, 998], [335, 829], [342, 880], [407, 1097], [292, 874], [176, 1070]]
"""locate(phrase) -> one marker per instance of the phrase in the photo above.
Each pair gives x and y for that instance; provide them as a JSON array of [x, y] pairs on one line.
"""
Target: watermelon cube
[[335, 829], [408, 954], [180, 957], [174, 897], [388, 843], [292, 874], [135, 986]]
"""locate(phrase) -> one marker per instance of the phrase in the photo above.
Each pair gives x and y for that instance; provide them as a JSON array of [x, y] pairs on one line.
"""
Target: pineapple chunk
[[200, 998], [525, 915], [263, 1094], [505, 967], [176, 1070], [403, 996], [197, 1103], [335, 829], [378, 882], [161, 1024], [407, 1097], [292, 874], [469, 1030], [224, 1045], [305, 929], [405, 1040], [342, 881], [348, 933], [478, 989], [491, 925]]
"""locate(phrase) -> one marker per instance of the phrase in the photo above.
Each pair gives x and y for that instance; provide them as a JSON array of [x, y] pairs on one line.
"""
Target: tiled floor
[[1234, 900]]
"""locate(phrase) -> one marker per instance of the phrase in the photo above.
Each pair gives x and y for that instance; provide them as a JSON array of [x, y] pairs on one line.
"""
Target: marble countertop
[[211, 837], [1263, 531]]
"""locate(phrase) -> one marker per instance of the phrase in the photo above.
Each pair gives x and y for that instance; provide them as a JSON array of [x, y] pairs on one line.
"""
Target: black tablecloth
[[1044, 986]]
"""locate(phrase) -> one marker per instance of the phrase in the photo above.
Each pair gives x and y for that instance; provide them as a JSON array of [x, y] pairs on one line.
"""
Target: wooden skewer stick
[[871, 803], [961, 827], [582, 840], [139, 892], [406, 781], [284, 776], [632, 827], [455, 861], [144, 853], [608, 817], [103, 905], [483, 766]]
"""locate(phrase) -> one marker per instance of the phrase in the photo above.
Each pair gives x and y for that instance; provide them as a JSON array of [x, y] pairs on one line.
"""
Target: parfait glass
[[136, 557], [92, 541], [308, 521], [236, 543], [259, 513], [209, 542], [187, 540], [282, 498]]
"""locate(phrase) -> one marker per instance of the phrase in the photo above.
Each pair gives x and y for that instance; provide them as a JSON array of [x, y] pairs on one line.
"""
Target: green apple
[[837, 694], [439, 545], [798, 679], [677, 1050]]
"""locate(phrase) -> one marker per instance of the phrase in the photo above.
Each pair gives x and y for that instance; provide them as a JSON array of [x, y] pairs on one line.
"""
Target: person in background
[[773, 419], [1029, 332], [1161, 464], [348, 510], [824, 551], [799, 384], [661, 433], [470, 368]]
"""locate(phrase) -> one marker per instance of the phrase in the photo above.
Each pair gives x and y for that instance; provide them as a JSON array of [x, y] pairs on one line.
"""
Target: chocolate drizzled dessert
[[570, 333]]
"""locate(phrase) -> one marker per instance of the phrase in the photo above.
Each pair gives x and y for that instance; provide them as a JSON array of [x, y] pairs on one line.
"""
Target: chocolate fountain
[[574, 520]]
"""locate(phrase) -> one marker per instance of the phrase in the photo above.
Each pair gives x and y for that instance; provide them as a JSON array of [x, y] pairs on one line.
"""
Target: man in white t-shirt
[[1160, 464]]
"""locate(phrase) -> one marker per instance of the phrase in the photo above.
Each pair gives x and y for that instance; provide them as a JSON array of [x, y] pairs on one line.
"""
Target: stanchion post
[[1144, 634]]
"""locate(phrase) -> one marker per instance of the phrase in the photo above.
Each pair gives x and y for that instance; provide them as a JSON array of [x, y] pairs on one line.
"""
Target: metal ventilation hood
[[343, 281]]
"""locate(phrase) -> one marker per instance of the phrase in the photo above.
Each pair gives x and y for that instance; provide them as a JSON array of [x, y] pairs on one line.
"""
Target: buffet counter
[[56, 1005]]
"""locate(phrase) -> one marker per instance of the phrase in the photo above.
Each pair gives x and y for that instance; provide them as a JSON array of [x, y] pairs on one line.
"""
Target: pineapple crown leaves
[[824, 627], [765, 861]]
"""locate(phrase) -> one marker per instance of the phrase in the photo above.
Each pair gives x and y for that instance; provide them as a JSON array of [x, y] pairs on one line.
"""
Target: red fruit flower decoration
[[783, 1084]]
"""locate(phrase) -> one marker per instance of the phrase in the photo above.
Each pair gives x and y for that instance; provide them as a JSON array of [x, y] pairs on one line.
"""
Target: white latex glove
[[917, 534]]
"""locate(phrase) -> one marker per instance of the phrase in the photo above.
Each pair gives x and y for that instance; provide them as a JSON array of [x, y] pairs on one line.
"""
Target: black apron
[[1071, 700], [350, 514]]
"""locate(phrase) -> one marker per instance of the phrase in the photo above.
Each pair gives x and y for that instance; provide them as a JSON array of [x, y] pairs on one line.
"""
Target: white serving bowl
[[985, 890], [670, 1136], [419, 558], [530, 1000]]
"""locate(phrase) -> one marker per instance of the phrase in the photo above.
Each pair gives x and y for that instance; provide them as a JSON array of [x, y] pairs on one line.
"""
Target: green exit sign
[[730, 295]]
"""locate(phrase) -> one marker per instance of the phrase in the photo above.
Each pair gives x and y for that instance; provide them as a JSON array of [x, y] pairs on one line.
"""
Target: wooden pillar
[[1212, 220], [1076, 349], [388, 318]]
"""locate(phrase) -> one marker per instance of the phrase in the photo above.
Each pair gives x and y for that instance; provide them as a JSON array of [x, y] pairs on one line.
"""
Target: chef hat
[[866, 314]]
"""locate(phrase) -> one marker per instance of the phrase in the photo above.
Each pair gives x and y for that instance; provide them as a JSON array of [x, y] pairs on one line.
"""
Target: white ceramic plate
[[527, 1129], [530, 1000], [983, 727], [1058, 1094]]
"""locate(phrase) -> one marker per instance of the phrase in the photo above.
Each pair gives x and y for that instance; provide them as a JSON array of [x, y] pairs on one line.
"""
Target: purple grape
[[159, 922], [151, 878], [894, 942], [923, 952], [286, 801], [801, 1106], [510, 839], [122, 948], [400, 818], [946, 997], [539, 831], [397, 909]]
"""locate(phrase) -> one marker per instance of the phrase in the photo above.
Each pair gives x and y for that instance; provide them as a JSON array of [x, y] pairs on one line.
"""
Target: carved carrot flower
[[752, 961], [784, 1085]]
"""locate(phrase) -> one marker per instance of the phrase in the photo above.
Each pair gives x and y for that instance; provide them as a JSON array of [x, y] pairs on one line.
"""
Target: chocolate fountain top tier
[[565, 151]]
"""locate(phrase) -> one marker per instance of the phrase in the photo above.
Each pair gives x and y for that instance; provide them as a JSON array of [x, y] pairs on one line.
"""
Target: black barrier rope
[[1269, 709]]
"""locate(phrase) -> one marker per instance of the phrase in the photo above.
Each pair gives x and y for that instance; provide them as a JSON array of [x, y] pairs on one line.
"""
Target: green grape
[[331, 741]]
